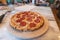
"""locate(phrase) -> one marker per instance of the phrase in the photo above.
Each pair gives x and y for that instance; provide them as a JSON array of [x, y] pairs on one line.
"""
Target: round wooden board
[[28, 35]]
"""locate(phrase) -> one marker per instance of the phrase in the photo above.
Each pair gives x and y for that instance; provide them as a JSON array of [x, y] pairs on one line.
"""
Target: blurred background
[[51, 3], [54, 4]]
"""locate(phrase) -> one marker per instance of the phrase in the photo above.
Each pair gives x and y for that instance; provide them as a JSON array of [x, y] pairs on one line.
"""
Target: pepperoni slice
[[23, 16], [32, 24], [22, 23], [18, 16], [26, 13], [28, 16], [37, 20], [19, 20], [29, 19]]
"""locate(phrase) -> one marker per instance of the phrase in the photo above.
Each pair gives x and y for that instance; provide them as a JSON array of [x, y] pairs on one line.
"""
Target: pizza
[[26, 21]]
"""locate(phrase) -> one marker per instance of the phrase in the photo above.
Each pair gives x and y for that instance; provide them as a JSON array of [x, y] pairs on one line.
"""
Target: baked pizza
[[26, 21]]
